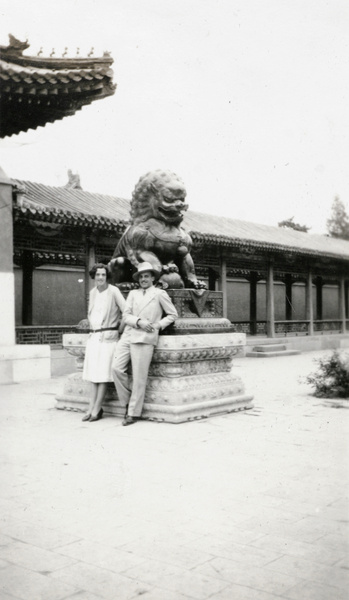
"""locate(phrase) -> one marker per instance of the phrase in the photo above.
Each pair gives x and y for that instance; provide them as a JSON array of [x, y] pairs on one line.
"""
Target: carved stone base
[[186, 326], [191, 412], [77, 392], [190, 378]]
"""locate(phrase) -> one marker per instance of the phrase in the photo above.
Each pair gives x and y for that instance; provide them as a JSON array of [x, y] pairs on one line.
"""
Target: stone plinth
[[198, 304], [190, 378], [24, 363]]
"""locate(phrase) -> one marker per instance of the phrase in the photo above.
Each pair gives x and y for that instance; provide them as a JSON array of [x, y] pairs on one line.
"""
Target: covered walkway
[[274, 281]]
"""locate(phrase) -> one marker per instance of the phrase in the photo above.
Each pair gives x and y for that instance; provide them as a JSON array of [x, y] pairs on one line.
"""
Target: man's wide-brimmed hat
[[143, 268]]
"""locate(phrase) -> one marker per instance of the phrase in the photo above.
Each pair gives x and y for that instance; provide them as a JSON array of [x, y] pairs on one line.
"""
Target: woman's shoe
[[98, 416], [86, 417], [129, 420]]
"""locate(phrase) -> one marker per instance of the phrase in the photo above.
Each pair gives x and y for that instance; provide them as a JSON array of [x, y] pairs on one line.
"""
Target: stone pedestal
[[190, 376]]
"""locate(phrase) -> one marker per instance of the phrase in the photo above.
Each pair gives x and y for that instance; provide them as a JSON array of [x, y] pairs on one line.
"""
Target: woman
[[106, 304]]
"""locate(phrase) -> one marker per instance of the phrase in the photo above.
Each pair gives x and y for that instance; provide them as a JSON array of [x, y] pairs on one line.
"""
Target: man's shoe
[[129, 420]]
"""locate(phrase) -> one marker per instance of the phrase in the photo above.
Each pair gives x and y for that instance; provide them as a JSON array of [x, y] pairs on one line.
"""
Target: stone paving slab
[[253, 577], [246, 506]]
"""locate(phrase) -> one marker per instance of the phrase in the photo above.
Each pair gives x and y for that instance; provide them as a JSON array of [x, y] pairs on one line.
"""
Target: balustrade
[[53, 334], [43, 334], [328, 325], [296, 327]]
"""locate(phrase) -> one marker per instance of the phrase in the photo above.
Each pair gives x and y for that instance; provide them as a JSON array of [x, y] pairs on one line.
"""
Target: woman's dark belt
[[103, 329]]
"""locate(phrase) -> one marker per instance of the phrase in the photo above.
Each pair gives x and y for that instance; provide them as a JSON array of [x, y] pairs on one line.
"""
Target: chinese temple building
[[275, 281]]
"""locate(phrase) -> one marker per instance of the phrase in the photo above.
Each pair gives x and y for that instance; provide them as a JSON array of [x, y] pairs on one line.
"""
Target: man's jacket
[[150, 306]]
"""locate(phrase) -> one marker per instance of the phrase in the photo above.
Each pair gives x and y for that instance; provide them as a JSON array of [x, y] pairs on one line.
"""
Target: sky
[[246, 100]]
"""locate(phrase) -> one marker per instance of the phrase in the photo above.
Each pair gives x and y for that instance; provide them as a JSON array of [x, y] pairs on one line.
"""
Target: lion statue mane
[[155, 234]]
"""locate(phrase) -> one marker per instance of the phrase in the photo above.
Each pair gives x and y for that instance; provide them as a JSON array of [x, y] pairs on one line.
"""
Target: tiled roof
[[223, 231], [79, 208], [37, 90], [70, 206]]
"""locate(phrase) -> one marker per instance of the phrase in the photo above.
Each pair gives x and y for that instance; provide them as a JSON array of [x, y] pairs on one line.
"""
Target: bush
[[331, 380]]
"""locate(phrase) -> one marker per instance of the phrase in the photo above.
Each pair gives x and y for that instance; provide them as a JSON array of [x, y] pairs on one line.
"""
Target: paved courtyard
[[246, 506]]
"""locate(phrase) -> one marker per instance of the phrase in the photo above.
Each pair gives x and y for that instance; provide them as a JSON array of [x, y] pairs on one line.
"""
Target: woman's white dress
[[99, 355]]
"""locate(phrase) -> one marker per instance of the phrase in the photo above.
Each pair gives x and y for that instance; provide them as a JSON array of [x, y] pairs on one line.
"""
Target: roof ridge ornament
[[14, 50], [15, 47], [73, 181], [19, 189]]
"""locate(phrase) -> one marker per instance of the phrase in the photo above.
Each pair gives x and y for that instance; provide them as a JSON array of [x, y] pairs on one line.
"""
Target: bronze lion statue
[[155, 234]]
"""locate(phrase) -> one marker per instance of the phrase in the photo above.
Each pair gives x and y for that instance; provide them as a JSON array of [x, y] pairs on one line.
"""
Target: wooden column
[[223, 285], [270, 301], [341, 289], [346, 298], [309, 303], [212, 278], [288, 300], [253, 302], [319, 284], [27, 287], [90, 261]]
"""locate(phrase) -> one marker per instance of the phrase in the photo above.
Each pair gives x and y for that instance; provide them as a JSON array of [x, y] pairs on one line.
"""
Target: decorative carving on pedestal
[[185, 368], [200, 311], [198, 304], [75, 344]]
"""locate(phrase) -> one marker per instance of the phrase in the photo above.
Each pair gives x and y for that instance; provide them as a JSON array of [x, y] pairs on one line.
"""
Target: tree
[[338, 223], [290, 224]]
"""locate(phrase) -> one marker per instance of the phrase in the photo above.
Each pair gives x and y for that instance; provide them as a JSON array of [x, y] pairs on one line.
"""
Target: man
[[143, 317]]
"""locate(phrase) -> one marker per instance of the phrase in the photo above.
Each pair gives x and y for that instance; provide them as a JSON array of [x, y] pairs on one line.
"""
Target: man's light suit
[[138, 345]]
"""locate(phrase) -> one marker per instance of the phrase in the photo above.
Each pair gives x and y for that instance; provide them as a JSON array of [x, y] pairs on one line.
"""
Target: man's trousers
[[131, 392]]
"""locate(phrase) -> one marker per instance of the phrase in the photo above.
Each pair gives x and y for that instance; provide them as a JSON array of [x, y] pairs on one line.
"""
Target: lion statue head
[[159, 195]]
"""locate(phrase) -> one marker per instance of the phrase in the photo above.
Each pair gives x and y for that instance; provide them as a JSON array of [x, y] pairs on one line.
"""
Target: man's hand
[[146, 325]]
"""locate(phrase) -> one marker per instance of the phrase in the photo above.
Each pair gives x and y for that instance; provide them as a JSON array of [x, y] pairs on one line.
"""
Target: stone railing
[[329, 325], [53, 334], [296, 327], [300, 327], [250, 327]]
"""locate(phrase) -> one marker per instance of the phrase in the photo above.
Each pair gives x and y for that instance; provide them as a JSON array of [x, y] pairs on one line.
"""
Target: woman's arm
[[119, 299]]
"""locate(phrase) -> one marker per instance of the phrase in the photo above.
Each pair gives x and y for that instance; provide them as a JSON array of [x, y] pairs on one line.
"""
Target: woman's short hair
[[93, 271]]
